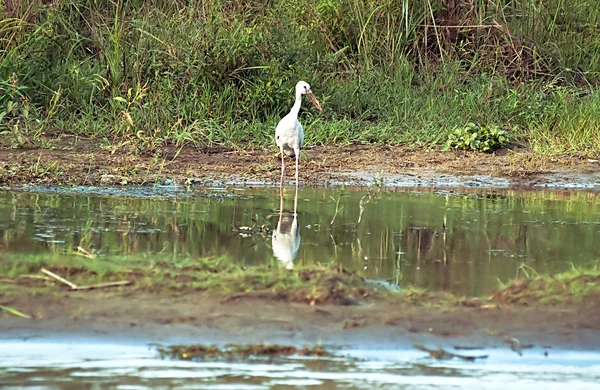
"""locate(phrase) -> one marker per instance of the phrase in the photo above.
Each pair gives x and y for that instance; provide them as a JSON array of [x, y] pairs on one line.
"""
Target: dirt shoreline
[[75, 161], [378, 323]]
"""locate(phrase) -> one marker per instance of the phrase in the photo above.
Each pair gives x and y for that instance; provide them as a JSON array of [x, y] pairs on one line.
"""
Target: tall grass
[[151, 72]]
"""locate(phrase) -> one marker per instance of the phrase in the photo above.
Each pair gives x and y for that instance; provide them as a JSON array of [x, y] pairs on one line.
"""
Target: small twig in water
[[337, 209], [361, 206], [442, 354], [516, 345]]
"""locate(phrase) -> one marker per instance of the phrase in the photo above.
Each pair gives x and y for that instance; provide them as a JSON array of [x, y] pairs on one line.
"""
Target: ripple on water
[[27, 364]]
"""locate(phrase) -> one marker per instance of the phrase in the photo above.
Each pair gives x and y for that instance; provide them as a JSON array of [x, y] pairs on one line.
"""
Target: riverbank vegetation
[[315, 285], [139, 74], [177, 277]]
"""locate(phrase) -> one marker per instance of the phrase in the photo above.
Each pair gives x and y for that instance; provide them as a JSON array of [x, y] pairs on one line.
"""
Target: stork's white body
[[289, 135]]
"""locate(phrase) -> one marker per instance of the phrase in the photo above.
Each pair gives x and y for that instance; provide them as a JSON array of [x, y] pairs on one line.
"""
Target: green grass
[[139, 74], [572, 287], [313, 285], [177, 276]]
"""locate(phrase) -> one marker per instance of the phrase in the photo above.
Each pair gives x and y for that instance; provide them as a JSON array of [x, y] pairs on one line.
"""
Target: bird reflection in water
[[286, 238]]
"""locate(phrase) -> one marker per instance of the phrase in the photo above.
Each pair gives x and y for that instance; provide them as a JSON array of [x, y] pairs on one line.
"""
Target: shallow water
[[88, 365], [464, 243]]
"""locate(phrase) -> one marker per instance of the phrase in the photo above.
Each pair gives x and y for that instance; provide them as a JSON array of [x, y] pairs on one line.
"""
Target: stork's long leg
[[297, 157], [280, 207], [282, 170], [296, 203]]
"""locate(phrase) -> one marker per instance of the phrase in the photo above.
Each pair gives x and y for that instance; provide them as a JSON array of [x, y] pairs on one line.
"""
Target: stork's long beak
[[314, 101]]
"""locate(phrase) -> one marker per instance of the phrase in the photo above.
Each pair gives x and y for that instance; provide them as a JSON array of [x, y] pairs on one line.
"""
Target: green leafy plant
[[14, 109], [475, 137], [22, 124]]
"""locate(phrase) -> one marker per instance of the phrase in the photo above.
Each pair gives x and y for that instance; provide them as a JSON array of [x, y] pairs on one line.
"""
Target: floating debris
[[516, 345], [204, 352], [468, 347], [442, 354], [249, 231]]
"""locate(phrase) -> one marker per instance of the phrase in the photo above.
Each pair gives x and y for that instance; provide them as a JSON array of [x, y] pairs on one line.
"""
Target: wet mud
[[76, 161], [203, 317]]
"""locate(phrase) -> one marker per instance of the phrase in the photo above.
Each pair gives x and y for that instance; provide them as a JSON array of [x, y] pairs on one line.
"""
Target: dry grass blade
[[103, 285], [89, 287], [37, 277], [59, 278], [81, 251], [15, 312]]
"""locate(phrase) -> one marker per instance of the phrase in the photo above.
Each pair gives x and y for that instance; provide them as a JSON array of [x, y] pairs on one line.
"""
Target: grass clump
[[575, 286]]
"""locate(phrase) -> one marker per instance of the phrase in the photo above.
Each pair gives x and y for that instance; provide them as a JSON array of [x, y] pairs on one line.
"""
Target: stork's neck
[[296, 107]]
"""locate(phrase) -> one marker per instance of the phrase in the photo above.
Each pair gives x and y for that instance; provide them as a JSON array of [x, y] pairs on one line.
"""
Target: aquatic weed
[[478, 138]]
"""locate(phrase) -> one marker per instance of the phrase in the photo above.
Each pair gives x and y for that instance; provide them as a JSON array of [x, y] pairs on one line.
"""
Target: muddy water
[[81, 365], [464, 243]]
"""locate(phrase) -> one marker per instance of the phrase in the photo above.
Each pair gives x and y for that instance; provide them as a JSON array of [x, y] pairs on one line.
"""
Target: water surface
[[464, 243], [88, 365]]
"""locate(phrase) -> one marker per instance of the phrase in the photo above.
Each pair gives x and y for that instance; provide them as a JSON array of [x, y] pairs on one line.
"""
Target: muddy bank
[[210, 302], [381, 323], [75, 161]]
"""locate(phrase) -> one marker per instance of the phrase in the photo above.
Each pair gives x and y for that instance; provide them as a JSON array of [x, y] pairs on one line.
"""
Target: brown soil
[[377, 322], [81, 161]]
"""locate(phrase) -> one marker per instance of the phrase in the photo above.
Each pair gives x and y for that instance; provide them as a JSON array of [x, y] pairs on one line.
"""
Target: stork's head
[[304, 89]]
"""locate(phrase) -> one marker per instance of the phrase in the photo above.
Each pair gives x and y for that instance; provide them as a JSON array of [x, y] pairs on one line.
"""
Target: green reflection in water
[[462, 243]]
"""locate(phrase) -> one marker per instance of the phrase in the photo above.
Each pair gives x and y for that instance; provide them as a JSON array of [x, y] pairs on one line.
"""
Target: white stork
[[289, 135]]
